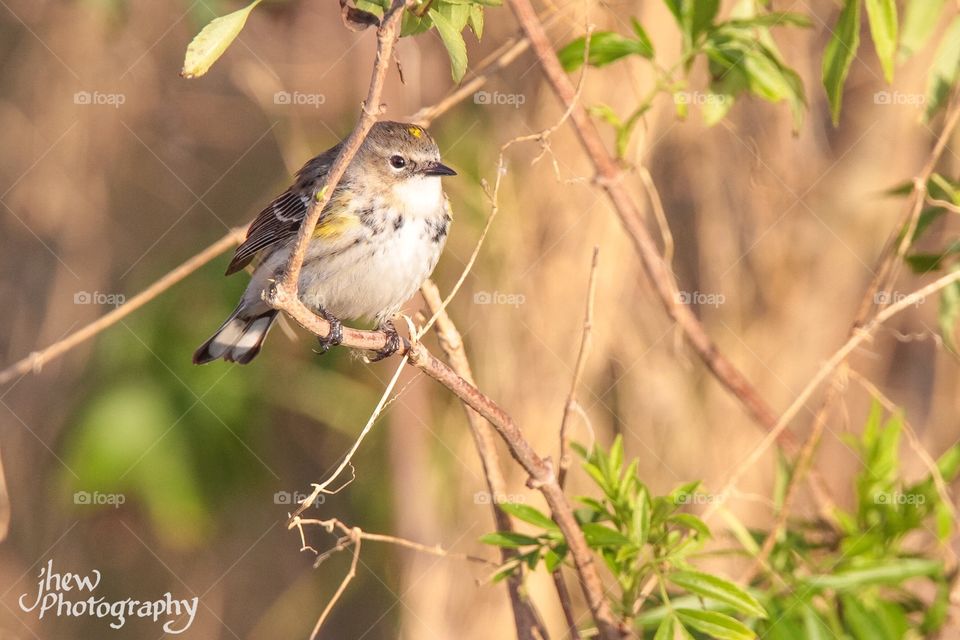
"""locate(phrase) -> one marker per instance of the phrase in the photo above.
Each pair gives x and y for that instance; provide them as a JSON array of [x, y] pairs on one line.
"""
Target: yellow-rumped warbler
[[378, 239]]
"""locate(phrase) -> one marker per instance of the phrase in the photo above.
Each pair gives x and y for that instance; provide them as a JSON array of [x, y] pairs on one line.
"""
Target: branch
[[356, 538], [837, 359], [542, 478], [35, 361], [526, 617], [570, 407], [897, 245], [284, 294], [610, 178]]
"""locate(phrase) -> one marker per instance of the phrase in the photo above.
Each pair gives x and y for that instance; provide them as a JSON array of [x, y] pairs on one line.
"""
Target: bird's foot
[[335, 336], [393, 342]]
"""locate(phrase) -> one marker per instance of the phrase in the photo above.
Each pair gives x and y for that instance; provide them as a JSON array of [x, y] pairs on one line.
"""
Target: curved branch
[[609, 177]]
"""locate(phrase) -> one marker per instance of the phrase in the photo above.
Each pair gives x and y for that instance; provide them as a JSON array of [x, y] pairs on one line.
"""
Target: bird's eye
[[397, 162]]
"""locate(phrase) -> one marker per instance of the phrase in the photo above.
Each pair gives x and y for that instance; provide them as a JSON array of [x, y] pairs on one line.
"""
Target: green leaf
[[599, 535], [528, 514], [691, 522], [457, 14], [715, 625], [948, 314], [413, 25], [891, 571], [605, 47], [924, 263], [864, 624], [814, 626], [949, 463], [839, 55], [508, 539], [918, 24], [882, 15], [740, 62], [553, 558], [773, 19], [208, 45], [693, 17], [640, 526], [476, 20], [667, 629], [453, 41], [709, 586], [642, 36], [944, 71]]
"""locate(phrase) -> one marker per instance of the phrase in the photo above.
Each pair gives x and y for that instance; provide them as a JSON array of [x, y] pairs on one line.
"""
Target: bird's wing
[[281, 219]]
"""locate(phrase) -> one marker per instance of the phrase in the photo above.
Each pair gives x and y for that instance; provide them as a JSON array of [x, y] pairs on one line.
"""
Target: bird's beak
[[438, 169]]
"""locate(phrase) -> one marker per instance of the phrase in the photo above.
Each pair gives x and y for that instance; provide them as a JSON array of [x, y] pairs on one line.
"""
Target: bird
[[378, 238]]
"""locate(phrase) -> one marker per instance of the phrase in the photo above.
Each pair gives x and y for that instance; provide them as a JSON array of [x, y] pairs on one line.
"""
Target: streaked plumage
[[378, 238]]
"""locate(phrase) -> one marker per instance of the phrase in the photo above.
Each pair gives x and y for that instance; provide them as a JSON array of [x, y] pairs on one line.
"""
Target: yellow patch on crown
[[416, 132]]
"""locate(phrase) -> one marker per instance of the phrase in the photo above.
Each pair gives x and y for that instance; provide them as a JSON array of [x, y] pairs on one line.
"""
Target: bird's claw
[[393, 343], [335, 336]]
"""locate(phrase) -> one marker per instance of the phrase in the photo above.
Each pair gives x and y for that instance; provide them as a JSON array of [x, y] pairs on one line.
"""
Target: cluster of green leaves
[[861, 581], [893, 44], [858, 579], [740, 52], [638, 537], [943, 198], [449, 17]]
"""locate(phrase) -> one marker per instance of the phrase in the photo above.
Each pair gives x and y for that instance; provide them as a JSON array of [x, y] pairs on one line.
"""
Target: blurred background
[[115, 170]]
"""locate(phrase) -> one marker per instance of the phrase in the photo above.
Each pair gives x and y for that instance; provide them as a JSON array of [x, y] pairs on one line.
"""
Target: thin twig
[[570, 407], [542, 478], [307, 502], [526, 617], [495, 62], [609, 177], [435, 550], [343, 584], [800, 468], [284, 293], [35, 361], [839, 357]]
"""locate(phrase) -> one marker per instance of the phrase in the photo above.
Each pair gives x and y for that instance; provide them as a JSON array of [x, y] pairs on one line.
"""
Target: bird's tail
[[238, 339]]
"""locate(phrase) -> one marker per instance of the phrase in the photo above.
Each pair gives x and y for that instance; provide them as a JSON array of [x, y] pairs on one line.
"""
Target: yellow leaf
[[213, 40]]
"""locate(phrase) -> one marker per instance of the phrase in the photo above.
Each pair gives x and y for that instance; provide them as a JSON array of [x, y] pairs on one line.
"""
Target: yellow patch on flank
[[416, 132], [333, 226]]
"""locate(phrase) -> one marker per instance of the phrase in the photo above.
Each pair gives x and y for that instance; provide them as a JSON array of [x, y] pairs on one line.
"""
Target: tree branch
[[525, 614], [610, 177], [35, 361]]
